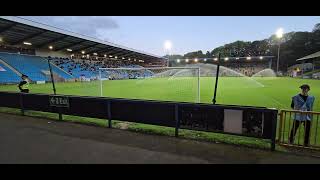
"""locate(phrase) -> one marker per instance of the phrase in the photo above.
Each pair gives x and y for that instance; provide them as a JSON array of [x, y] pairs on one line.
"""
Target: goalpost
[[156, 83]]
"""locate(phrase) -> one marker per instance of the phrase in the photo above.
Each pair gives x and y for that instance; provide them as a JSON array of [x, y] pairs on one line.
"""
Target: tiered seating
[[75, 68], [90, 69], [137, 74], [7, 75], [33, 66]]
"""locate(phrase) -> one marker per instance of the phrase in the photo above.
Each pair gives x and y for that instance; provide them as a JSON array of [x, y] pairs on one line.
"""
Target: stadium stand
[[298, 69], [13, 49], [75, 68], [90, 68], [37, 69], [34, 66], [7, 75], [67, 68], [246, 68], [26, 45]]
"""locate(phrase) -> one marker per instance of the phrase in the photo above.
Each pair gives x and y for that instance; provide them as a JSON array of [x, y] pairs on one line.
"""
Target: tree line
[[294, 45]]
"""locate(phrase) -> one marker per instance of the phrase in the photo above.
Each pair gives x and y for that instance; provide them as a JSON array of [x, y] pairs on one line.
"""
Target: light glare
[[279, 33], [27, 43], [167, 45]]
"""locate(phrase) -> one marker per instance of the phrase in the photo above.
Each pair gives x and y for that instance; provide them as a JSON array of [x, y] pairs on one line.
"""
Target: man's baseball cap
[[305, 86]]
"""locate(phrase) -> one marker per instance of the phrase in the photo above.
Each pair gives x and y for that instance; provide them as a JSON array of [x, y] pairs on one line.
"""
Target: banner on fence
[[59, 101]]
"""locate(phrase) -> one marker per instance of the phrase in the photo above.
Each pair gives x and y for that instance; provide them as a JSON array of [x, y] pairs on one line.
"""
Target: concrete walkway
[[34, 140]]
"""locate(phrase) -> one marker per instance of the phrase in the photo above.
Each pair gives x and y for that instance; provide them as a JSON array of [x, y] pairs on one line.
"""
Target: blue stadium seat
[[7, 75], [77, 71], [33, 66]]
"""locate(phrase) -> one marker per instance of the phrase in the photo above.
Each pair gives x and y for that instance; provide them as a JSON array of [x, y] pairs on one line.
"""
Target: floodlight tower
[[167, 48], [279, 35]]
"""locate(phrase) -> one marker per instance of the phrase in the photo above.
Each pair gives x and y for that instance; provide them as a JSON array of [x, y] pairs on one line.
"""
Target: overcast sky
[[187, 33]]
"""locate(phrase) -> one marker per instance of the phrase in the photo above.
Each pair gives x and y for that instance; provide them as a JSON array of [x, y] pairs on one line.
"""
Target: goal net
[[163, 83]]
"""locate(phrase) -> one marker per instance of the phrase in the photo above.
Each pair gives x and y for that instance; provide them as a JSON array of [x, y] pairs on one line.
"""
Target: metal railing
[[299, 128]]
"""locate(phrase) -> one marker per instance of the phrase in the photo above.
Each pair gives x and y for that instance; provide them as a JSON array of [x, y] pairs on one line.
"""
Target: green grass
[[264, 92], [200, 135]]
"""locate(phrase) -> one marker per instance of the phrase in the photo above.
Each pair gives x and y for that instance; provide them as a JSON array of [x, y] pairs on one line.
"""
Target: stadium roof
[[311, 56], [16, 30]]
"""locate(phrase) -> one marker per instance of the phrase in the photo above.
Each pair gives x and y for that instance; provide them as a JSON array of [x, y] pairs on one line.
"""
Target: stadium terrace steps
[[7, 75], [77, 71], [33, 66], [54, 65], [10, 67]]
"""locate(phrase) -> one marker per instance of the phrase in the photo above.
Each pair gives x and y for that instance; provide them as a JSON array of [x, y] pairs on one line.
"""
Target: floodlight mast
[[167, 46], [216, 83], [279, 35]]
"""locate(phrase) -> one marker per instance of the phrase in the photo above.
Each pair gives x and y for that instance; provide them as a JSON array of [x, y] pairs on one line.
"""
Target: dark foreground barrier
[[237, 120]]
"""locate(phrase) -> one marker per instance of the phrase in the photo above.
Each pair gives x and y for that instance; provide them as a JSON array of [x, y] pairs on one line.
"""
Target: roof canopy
[[16, 30], [311, 56]]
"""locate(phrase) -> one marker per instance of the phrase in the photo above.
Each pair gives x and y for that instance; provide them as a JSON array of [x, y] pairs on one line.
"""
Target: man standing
[[24, 84], [302, 102]]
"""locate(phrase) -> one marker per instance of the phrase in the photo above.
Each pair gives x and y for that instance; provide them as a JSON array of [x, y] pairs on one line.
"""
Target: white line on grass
[[274, 100]]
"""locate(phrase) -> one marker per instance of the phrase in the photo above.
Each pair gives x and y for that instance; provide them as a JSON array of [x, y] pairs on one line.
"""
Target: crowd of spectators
[[77, 67], [92, 65], [69, 65]]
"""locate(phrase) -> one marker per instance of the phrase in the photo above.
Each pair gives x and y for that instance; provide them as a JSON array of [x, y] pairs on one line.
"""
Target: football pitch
[[272, 92]]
